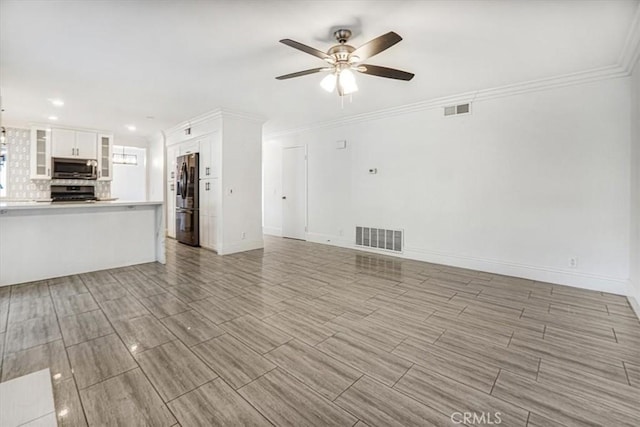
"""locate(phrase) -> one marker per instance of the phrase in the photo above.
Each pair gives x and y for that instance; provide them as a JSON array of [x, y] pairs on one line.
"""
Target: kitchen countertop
[[8, 205]]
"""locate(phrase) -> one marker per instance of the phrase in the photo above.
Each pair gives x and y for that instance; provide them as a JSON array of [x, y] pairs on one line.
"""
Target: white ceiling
[[117, 62]]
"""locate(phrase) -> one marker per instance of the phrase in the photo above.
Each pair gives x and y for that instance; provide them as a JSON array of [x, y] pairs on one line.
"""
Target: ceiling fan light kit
[[343, 59]]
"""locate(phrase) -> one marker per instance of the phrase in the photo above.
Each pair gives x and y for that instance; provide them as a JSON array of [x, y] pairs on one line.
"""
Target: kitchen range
[[73, 193]]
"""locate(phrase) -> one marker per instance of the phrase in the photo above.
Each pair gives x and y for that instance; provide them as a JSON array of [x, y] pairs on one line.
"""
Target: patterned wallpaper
[[20, 186]]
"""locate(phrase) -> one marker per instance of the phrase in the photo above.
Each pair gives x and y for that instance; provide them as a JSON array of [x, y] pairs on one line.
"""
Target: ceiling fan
[[343, 58]]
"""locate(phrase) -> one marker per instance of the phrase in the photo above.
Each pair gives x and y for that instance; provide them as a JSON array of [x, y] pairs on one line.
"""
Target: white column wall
[[241, 185]]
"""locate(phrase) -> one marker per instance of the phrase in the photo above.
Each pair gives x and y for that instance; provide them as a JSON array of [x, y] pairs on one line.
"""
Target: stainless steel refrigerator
[[187, 203]]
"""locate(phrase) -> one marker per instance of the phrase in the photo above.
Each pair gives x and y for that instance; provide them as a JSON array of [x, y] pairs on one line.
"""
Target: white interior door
[[294, 192]]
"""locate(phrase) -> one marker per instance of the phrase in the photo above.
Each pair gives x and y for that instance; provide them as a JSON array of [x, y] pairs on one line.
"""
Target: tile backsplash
[[20, 186]]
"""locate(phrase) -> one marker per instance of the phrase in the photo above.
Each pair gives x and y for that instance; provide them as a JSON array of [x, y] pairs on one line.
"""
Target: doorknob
[[284, 197]]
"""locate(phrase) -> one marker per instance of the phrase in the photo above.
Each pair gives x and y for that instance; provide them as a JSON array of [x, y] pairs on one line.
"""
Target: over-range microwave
[[74, 168]]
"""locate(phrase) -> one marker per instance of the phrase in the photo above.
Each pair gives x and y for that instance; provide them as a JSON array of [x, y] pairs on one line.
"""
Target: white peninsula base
[[43, 240]]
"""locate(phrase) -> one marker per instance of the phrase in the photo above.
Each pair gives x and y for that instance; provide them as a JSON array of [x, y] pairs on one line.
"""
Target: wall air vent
[[456, 110], [379, 238]]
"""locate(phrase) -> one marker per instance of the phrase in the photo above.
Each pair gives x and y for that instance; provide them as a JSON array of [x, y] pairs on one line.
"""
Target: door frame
[[305, 188]]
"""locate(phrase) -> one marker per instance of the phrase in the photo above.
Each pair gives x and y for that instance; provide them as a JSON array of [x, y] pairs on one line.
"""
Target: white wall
[[518, 187], [634, 287], [155, 168], [130, 181]]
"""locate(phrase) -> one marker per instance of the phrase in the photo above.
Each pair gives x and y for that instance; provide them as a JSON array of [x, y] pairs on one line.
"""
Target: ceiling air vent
[[456, 110], [380, 238]]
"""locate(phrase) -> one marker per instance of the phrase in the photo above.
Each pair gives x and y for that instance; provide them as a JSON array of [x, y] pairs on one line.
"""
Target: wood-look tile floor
[[302, 334]]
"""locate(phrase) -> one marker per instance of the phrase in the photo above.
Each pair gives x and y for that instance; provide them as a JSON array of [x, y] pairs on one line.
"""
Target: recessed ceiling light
[[132, 128], [53, 118], [57, 102]]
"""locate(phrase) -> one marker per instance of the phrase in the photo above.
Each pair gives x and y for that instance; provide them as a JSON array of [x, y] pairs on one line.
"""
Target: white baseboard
[[635, 305], [633, 296], [330, 240], [538, 273], [241, 246], [272, 231]]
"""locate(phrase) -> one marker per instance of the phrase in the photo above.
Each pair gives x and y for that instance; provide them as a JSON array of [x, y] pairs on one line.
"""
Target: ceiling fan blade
[[303, 73], [375, 46], [307, 49], [391, 73]]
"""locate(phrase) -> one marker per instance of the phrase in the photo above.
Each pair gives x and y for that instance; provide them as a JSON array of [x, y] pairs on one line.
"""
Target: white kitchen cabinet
[[171, 209], [70, 143], [189, 147], [105, 157], [210, 155], [172, 155], [208, 213], [86, 145], [64, 143], [40, 153], [171, 178]]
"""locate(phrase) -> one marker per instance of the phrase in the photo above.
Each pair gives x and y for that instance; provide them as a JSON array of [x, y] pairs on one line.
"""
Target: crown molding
[[623, 68], [480, 95], [212, 115], [32, 124]]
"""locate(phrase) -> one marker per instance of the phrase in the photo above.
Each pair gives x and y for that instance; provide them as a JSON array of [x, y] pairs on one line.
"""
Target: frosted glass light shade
[[329, 82], [347, 82]]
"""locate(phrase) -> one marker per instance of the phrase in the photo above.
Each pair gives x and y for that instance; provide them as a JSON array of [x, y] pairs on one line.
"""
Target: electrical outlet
[[573, 262], [340, 232], [244, 235]]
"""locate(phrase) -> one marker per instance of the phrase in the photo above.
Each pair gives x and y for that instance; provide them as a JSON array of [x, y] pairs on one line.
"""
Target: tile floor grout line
[[66, 352], [259, 376], [362, 374], [624, 365], [440, 336], [166, 403], [338, 360], [495, 382], [108, 378], [138, 366], [402, 376], [538, 371], [433, 407], [301, 381], [251, 404], [400, 343]]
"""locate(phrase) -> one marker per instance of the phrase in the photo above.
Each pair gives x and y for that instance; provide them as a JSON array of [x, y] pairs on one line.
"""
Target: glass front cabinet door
[[105, 153], [40, 153]]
